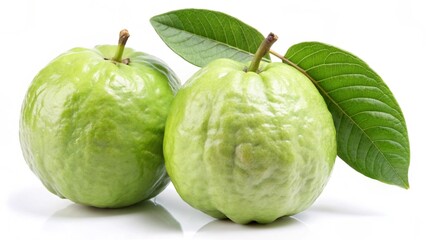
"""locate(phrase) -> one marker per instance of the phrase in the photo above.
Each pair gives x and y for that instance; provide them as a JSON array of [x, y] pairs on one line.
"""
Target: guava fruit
[[92, 125], [249, 145]]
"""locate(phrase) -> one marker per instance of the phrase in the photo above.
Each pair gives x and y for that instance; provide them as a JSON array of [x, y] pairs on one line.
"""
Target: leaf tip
[[405, 185], [402, 182]]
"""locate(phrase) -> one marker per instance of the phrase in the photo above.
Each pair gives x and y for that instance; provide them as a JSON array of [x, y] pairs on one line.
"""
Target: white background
[[389, 35]]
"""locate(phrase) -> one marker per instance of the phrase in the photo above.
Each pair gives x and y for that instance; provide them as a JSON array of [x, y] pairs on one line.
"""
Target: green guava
[[249, 146], [92, 125]]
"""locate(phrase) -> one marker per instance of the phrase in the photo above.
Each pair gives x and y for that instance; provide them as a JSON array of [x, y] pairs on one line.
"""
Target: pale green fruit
[[249, 146], [92, 129]]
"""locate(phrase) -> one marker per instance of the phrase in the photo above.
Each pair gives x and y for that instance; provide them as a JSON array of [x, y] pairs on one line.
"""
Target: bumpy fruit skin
[[249, 146], [92, 129]]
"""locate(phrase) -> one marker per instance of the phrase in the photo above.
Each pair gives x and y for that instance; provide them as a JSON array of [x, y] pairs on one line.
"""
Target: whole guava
[[92, 125], [249, 146]]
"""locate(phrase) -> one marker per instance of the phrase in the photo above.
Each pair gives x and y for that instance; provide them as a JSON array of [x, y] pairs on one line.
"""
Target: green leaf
[[200, 36], [371, 131]]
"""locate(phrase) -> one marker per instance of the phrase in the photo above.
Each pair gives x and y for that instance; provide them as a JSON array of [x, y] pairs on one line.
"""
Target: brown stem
[[124, 35], [261, 51]]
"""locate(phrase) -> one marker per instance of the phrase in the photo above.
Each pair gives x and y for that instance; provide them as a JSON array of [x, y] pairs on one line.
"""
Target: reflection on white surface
[[55, 217], [165, 217], [34, 213], [288, 227], [143, 219]]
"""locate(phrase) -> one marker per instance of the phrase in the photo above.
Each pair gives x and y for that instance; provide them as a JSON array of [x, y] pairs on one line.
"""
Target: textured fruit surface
[[92, 129], [249, 146]]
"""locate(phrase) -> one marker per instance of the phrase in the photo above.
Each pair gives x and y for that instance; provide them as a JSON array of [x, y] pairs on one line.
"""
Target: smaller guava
[[92, 125]]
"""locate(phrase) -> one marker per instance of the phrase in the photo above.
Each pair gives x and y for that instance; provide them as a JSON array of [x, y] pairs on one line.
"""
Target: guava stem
[[124, 35], [261, 51]]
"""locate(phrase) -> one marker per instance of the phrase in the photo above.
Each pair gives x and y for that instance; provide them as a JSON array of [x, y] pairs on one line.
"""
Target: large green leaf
[[371, 130], [200, 36]]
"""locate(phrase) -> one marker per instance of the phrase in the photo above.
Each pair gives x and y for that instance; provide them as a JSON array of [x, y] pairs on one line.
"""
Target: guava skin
[[249, 146], [92, 129]]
